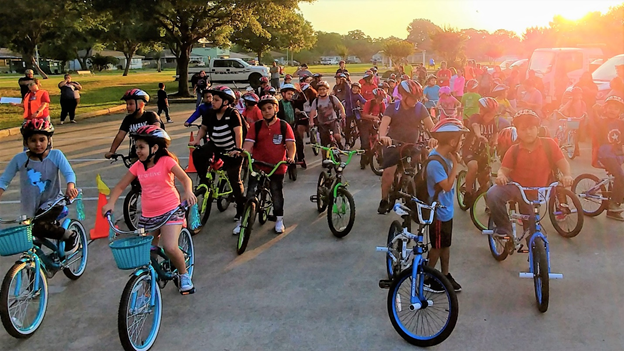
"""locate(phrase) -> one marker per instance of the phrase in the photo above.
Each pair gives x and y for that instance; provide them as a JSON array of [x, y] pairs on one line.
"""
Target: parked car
[[229, 70], [603, 75], [505, 65]]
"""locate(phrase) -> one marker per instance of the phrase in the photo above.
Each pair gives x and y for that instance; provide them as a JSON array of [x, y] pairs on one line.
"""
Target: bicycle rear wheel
[[376, 160], [540, 274], [77, 264], [132, 209], [591, 195], [461, 190], [314, 139], [138, 321], [479, 212], [431, 323], [565, 212], [570, 147], [223, 202], [497, 244], [341, 216], [21, 308], [394, 269], [247, 222]]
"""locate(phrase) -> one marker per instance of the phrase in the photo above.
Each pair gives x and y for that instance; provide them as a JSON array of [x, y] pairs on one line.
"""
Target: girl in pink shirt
[[447, 104], [159, 196]]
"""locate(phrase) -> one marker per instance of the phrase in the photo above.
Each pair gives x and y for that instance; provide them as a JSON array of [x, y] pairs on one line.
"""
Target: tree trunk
[[182, 69], [259, 53], [82, 60], [128, 56], [27, 59]]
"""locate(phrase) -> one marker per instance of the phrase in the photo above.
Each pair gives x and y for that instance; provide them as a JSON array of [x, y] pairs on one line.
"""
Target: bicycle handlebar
[[252, 161], [403, 210], [332, 151], [126, 159], [543, 192], [142, 231], [24, 218]]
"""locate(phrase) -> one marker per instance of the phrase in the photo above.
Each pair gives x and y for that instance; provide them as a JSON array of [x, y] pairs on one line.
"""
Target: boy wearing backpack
[[271, 140], [530, 163], [441, 172]]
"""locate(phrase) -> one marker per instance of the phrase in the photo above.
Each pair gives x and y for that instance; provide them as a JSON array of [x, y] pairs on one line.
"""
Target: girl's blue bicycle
[[24, 290], [538, 247], [420, 316], [140, 308]]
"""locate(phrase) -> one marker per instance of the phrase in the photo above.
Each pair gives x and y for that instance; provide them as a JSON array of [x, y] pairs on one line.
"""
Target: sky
[[383, 18]]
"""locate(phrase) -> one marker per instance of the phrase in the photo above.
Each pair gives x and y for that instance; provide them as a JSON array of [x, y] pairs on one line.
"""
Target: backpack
[[331, 99], [553, 167], [422, 193], [283, 128]]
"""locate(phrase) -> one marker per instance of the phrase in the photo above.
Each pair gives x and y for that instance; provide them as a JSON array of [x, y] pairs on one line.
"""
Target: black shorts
[[441, 233], [480, 157], [392, 156], [324, 130]]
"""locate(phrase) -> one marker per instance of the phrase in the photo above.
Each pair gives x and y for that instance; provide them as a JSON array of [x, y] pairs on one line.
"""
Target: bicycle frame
[[338, 166], [606, 182]]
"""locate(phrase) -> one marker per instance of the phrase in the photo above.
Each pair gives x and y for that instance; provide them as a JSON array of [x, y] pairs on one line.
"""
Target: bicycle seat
[[327, 163]]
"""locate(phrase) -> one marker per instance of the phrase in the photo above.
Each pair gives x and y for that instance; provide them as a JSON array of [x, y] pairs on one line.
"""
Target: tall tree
[[449, 43], [397, 49], [360, 45], [326, 43], [420, 31], [128, 34]]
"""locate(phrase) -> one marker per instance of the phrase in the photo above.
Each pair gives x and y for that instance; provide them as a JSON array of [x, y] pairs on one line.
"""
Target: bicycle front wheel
[[341, 216], [376, 160], [264, 207], [322, 192], [132, 209], [394, 268], [204, 203], [497, 244], [247, 222], [433, 321], [592, 195], [479, 212], [22, 308], [461, 190], [565, 212], [540, 274], [570, 147], [138, 320], [77, 262]]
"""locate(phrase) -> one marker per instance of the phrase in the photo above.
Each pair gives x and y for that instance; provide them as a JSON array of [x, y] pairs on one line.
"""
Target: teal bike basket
[[15, 240], [133, 252]]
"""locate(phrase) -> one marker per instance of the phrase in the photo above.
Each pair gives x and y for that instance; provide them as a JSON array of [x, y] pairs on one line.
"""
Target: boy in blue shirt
[[441, 188], [431, 92], [40, 184]]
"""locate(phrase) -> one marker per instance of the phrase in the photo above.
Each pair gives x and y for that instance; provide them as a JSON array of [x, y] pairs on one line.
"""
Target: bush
[[101, 63]]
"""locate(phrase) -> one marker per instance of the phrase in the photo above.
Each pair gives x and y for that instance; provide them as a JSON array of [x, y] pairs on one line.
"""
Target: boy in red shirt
[[266, 142], [368, 85], [371, 113], [529, 166], [252, 113], [444, 75]]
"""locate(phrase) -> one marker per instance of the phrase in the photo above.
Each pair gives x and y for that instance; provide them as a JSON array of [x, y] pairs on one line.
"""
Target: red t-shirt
[[269, 144], [32, 102], [374, 109], [531, 168], [367, 90], [444, 77], [252, 115]]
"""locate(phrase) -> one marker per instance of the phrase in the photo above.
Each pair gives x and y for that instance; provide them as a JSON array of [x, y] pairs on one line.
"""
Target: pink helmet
[[445, 90]]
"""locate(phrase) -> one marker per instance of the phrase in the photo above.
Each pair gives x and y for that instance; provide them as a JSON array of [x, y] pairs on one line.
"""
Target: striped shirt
[[221, 131]]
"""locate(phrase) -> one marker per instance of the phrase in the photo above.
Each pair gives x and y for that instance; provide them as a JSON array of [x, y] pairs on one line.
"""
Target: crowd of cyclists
[[454, 113]]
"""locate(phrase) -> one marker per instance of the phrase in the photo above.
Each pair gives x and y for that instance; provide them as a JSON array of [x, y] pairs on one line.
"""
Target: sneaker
[[433, 286], [618, 216], [615, 207], [455, 284], [279, 225], [237, 229], [169, 121], [61, 122], [185, 283], [304, 164], [383, 207], [237, 218], [71, 244], [73, 121]]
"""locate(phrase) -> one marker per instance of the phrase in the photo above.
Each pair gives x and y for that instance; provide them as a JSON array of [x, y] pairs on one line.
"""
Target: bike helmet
[[264, 80], [445, 90], [267, 99], [374, 69], [430, 77], [448, 126], [288, 76], [341, 75], [303, 78], [368, 74], [380, 93], [499, 87], [472, 84], [613, 99], [526, 116], [37, 126], [323, 84], [392, 77], [577, 91], [271, 91], [317, 75], [305, 86], [385, 85], [136, 94], [488, 104], [341, 61], [153, 135], [287, 87], [507, 137], [356, 84], [224, 93], [410, 88], [405, 77], [251, 97]]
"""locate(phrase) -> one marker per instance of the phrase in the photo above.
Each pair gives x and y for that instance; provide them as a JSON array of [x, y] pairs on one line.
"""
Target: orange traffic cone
[[101, 224], [191, 167]]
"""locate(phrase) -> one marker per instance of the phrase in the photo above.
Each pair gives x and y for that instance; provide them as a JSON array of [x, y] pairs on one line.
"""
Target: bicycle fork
[[531, 273]]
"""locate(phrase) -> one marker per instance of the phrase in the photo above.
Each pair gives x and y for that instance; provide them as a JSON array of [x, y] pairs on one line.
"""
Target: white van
[[557, 62]]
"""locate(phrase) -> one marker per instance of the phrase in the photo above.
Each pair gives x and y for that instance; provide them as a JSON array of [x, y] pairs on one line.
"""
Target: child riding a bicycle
[[156, 171], [40, 184], [266, 143], [531, 165], [608, 150]]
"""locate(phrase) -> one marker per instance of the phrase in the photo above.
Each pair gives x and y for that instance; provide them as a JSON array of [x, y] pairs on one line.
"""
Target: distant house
[[381, 59], [168, 60], [9, 61], [206, 51], [136, 62]]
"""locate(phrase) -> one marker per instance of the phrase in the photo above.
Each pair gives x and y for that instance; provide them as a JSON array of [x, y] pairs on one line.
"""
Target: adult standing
[[200, 82], [512, 82], [303, 71], [530, 98], [36, 102], [68, 98], [458, 85], [275, 75], [469, 72], [24, 81], [444, 75], [342, 68]]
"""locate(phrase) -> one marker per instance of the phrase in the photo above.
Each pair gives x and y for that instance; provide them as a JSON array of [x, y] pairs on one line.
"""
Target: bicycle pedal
[[188, 292], [313, 198], [385, 284]]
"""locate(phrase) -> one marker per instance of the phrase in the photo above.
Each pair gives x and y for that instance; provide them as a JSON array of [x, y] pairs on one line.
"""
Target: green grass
[[100, 91]]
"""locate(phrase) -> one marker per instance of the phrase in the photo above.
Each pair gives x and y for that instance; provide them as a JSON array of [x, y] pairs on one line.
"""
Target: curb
[[16, 130]]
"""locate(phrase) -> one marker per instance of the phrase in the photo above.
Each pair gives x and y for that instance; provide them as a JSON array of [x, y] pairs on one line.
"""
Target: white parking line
[[83, 199]]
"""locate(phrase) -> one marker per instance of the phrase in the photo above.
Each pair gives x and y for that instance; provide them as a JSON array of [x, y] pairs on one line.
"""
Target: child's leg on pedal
[[44, 226], [169, 235]]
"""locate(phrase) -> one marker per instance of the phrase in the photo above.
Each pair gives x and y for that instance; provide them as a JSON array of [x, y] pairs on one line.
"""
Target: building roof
[[113, 53], [240, 55], [8, 54]]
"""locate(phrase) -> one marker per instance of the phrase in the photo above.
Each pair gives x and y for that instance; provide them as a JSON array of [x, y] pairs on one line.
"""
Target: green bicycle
[[261, 203], [331, 190], [216, 186]]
